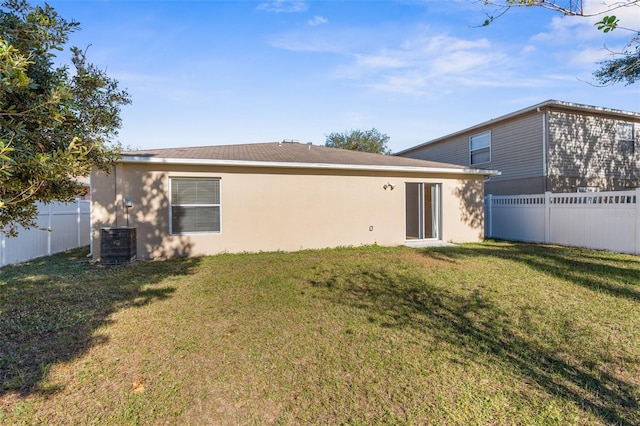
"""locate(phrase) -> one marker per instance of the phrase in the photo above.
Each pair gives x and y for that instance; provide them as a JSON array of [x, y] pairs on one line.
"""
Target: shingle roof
[[285, 153]]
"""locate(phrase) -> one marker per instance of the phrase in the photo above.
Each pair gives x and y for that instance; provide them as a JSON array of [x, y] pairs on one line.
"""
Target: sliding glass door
[[422, 211]]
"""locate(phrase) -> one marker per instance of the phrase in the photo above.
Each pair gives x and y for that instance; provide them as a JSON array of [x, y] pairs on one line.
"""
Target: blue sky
[[228, 72]]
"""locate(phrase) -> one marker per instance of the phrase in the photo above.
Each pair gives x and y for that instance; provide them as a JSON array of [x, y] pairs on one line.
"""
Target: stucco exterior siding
[[272, 209]]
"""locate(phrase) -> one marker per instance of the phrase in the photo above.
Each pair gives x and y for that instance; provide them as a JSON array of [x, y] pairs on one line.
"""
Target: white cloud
[[410, 82], [321, 40], [626, 10], [444, 43], [428, 61], [299, 44], [588, 56], [381, 60], [413, 63], [283, 6], [572, 28], [463, 62], [428, 64], [574, 41], [317, 20]]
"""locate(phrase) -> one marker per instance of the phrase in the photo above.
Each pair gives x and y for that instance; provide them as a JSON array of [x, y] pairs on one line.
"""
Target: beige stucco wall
[[271, 209]]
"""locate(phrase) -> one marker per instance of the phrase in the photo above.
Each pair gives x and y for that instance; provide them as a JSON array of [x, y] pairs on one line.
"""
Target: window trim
[[171, 205], [633, 140], [472, 151]]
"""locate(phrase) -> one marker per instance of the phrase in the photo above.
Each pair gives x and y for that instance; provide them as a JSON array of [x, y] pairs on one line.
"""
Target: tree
[[360, 140], [624, 67], [55, 125]]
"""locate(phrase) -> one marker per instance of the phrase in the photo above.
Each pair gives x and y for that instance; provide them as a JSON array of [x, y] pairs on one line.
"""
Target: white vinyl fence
[[59, 227], [598, 220]]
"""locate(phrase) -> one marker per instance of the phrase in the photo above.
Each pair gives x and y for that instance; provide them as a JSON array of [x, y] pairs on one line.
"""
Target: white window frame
[[620, 139], [172, 205], [436, 210], [486, 147]]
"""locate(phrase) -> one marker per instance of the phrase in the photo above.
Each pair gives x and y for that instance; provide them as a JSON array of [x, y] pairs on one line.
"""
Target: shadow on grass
[[480, 328], [585, 268], [50, 309]]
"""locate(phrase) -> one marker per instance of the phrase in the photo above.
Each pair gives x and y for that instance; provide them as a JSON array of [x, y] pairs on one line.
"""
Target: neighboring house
[[553, 146], [282, 196]]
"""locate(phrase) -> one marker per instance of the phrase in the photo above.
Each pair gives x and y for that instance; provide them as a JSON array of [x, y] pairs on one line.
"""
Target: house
[[86, 183], [282, 196], [552, 146]]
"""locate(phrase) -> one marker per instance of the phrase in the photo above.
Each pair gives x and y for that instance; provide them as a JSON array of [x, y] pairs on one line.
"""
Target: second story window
[[625, 137], [480, 148]]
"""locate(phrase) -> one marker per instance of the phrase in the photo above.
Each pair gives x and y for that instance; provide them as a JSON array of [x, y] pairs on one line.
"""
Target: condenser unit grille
[[117, 245]]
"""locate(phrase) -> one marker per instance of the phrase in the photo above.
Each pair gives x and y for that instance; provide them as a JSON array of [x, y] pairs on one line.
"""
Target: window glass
[[480, 141], [625, 131], [195, 205], [480, 148], [480, 156], [626, 138]]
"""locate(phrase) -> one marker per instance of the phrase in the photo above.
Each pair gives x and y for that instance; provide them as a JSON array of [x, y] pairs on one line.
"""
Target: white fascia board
[[324, 166]]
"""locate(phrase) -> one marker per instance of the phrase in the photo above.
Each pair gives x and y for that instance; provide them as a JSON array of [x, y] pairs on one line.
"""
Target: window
[[625, 135], [195, 205], [480, 148], [588, 189]]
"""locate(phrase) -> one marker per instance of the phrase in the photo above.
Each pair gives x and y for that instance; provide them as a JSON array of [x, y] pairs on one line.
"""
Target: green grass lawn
[[493, 333]]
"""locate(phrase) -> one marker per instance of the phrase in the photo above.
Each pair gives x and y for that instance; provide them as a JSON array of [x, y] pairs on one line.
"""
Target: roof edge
[[547, 103], [295, 165]]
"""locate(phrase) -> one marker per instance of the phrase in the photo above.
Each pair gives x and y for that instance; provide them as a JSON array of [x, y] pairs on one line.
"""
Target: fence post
[[638, 221], [489, 216], [547, 217], [49, 229], [78, 219], [3, 249]]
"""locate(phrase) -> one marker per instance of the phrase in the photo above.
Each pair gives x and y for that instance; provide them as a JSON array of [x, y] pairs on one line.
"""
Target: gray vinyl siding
[[533, 185], [453, 151], [585, 146], [582, 149], [516, 148]]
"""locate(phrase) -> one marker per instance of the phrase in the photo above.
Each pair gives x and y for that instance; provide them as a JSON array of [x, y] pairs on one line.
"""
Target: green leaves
[[623, 69], [13, 65], [608, 23], [625, 65], [360, 140], [56, 122]]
